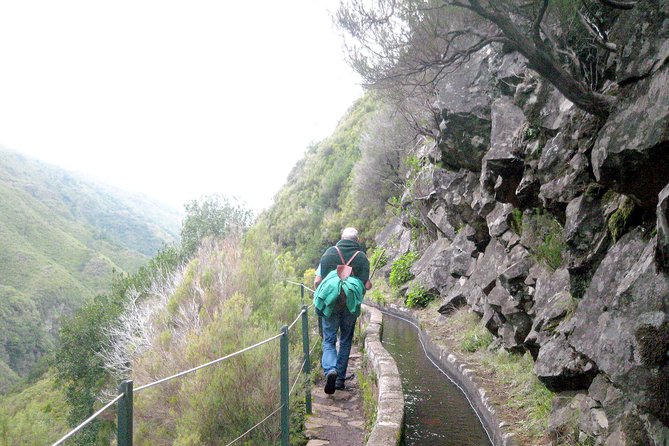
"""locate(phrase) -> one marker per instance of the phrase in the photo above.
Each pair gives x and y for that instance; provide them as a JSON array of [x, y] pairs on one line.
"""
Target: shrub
[[378, 257], [400, 272], [417, 297], [378, 296], [517, 221], [618, 221], [551, 249]]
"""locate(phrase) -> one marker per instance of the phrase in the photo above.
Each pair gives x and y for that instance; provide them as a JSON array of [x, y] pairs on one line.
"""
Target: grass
[[528, 394], [369, 402], [553, 245]]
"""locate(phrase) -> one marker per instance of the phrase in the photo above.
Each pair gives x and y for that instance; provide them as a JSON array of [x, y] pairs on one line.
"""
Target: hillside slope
[[61, 238]]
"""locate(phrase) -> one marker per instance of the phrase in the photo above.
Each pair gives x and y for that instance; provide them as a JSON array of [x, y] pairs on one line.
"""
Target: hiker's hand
[[317, 281], [368, 285]]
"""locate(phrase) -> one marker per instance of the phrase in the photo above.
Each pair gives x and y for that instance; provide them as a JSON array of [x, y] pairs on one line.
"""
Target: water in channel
[[436, 412]]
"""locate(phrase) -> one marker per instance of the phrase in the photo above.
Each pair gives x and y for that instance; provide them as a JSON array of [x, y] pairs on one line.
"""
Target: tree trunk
[[541, 61]]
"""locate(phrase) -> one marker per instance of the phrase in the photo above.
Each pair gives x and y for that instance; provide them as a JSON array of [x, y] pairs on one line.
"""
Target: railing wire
[[300, 284], [257, 424], [185, 372], [297, 378], [215, 361], [88, 420]]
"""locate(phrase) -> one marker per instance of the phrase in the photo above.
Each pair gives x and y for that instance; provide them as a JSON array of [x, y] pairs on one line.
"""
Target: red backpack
[[344, 270]]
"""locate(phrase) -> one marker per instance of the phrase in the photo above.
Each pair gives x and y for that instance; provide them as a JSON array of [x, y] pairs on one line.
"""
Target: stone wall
[[387, 430]]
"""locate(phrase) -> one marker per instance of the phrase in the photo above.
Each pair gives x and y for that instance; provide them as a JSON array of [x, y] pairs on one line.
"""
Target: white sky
[[174, 99]]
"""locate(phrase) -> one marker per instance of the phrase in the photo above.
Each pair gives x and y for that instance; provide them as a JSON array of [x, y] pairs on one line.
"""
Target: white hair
[[349, 234]]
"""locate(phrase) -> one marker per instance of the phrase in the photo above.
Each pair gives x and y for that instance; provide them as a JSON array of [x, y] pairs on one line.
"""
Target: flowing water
[[436, 412]]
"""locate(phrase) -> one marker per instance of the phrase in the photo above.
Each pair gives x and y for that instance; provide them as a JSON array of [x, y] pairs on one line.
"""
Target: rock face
[[636, 139], [552, 225]]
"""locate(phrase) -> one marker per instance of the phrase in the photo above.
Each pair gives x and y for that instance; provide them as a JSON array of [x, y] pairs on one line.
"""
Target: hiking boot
[[339, 385], [330, 380]]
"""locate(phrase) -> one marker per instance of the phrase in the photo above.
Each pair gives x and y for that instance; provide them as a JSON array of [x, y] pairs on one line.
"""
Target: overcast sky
[[174, 99]]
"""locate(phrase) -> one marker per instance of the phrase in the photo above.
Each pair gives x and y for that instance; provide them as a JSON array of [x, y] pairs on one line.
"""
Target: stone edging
[[463, 376], [387, 430]]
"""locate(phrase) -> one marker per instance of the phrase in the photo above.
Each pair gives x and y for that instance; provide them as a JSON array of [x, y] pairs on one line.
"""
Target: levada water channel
[[436, 412]]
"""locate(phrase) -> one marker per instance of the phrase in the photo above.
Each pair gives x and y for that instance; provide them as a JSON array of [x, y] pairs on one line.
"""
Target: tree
[[416, 42], [212, 216], [381, 172]]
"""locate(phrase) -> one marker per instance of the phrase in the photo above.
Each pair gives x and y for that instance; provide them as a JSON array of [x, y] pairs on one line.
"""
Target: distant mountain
[[61, 236]]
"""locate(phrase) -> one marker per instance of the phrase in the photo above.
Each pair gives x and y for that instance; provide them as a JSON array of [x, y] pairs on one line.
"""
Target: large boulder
[[451, 197], [585, 231], [443, 262], [560, 367], [635, 140], [498, 220], [626, 305], [489, 265], [552, 303], [465, 98], [643, 36], [503, 163]]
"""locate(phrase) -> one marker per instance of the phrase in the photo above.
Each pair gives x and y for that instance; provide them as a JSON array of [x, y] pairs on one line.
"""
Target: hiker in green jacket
[[341, 309]]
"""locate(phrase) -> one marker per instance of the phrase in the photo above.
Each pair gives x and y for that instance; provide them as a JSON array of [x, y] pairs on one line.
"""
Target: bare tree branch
[[598, 37]]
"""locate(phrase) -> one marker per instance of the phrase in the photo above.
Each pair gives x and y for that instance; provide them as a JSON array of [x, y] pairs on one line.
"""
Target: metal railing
[[126, 392]]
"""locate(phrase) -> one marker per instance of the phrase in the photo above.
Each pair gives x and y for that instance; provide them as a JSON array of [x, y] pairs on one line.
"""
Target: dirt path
[[337, 419]]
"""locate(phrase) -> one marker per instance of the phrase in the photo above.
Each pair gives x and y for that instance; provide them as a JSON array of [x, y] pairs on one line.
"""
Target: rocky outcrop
[[551, 224], [636, 139]]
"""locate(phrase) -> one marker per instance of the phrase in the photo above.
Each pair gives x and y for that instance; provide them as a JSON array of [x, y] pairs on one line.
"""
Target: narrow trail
[[337, 419]]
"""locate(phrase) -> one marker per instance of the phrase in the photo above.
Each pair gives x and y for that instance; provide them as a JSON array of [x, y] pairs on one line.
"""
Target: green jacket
[[360, 264], [327, 293]]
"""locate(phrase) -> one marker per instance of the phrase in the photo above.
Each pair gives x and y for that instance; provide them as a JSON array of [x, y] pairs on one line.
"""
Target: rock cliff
[[552, 225]]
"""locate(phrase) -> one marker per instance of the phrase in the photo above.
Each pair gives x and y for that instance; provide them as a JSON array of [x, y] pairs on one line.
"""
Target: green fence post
[[302, 294], [285, 415], [307, 359], [124, 433]]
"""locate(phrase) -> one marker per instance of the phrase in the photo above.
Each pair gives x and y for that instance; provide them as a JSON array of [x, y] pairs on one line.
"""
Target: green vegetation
[[400, 272], [476, 338], [379, 258], [551, 249], [378, 296], [546, 238], [229, 295], [619, 220], [62, 237], [417, 297], [34, 416], [369, 400], [529, 394], [212, 216], [514, 373], [317, 201]]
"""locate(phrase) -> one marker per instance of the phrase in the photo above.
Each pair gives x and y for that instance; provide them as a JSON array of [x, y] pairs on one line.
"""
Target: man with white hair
[[343, 307]]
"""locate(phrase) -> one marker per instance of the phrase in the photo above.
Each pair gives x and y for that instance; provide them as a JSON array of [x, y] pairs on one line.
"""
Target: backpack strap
[[341, 257], [352, 257]]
